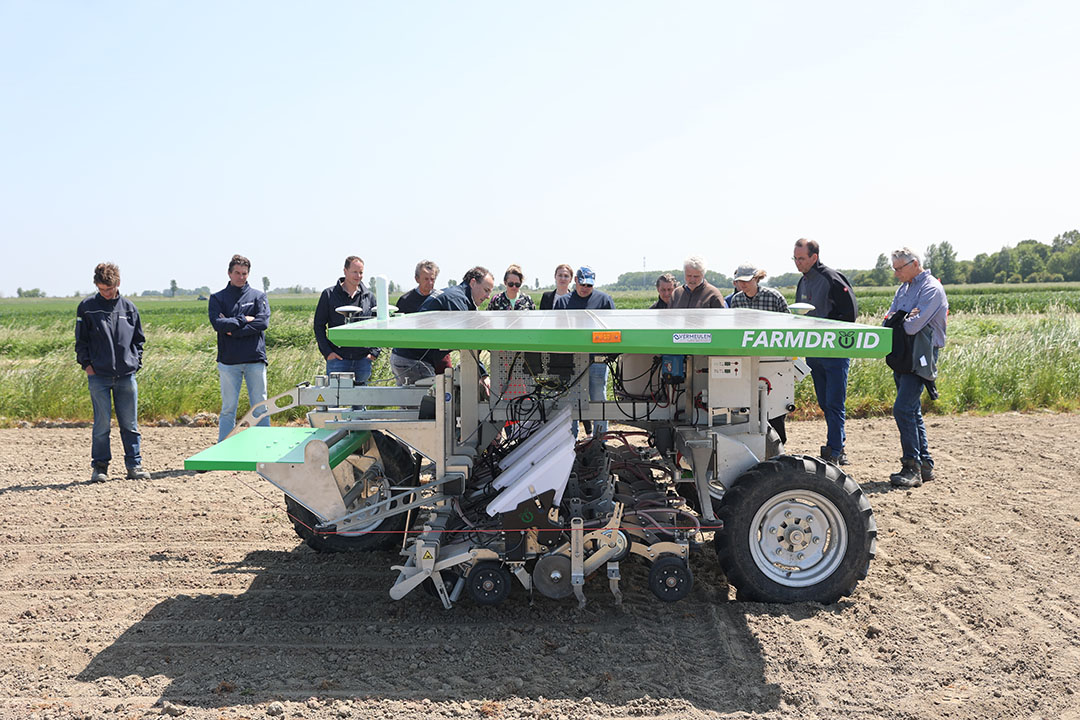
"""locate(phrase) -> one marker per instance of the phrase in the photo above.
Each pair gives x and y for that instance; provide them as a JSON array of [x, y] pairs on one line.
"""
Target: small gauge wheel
[[449, 578], [488, 583], [670, 578]]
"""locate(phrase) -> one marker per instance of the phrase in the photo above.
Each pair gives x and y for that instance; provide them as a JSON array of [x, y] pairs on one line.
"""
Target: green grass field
[[1011, 347]]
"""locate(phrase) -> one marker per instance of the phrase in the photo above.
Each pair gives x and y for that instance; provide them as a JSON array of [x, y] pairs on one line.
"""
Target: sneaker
[[910, 476], [99, 475], [137, 473], [928, 473]]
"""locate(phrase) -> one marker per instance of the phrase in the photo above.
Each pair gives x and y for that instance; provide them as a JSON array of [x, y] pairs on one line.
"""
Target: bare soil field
[[190, 595]]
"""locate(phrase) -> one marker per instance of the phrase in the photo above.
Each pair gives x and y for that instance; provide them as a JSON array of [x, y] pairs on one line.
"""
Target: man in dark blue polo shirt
[[585, 297]]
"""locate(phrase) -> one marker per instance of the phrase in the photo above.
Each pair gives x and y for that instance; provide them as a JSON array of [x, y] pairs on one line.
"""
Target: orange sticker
[[607, 336]]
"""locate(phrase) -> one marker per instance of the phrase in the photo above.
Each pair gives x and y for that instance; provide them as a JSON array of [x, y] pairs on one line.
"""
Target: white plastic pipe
[[382, 297]]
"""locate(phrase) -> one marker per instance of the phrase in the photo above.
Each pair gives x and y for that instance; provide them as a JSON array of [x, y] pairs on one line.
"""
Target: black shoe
[[100, 475], [928, 473], [910, 476], [839, 458]]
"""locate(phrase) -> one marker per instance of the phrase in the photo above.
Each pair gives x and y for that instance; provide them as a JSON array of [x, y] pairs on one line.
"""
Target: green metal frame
[[658, 332], [249, 448]]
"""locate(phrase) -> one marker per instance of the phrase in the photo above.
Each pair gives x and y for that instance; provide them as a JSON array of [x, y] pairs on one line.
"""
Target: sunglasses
[[513, 284]]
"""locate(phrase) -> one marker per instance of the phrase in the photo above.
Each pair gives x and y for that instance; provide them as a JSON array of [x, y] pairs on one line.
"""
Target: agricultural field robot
[[482, 487]]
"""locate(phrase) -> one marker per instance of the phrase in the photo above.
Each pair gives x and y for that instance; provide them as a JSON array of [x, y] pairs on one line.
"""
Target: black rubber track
[[783, 473]]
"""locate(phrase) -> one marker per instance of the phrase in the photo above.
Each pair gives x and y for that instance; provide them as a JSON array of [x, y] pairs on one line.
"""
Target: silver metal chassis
[[717, 443]]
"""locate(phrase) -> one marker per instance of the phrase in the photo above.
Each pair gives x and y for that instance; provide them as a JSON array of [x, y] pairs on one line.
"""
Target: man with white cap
[[585, 297], [753, 296]]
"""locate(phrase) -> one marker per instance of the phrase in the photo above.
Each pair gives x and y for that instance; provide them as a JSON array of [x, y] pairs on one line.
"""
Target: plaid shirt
[[766, 299]]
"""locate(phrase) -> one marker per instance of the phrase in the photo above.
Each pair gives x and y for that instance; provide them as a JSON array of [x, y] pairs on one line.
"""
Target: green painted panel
[[682, 332], [246, 449]]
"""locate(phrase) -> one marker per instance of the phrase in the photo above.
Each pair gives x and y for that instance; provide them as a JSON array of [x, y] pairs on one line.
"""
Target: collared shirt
[[926, 293], [766, 299]]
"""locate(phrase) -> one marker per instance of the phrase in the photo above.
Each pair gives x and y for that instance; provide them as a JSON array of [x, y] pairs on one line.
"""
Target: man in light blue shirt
[[921, 301]]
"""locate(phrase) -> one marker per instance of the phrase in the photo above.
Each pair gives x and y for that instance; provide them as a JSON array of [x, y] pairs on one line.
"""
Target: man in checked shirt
[[753, 296]]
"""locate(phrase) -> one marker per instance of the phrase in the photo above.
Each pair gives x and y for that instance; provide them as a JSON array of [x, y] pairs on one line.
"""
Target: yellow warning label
[[319, 399], [428, 555]]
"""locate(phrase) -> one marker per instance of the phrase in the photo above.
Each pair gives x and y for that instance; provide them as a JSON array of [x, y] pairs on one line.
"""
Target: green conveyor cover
[[661, 332], [246, 449]]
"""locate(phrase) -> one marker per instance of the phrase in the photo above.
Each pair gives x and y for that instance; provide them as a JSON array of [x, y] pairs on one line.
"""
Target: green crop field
[[1011, 347]]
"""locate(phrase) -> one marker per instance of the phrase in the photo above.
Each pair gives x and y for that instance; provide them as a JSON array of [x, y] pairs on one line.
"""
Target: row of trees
[[1029, 261]]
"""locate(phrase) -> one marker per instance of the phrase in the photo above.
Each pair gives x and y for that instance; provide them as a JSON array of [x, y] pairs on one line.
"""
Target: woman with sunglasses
[[512, 298]]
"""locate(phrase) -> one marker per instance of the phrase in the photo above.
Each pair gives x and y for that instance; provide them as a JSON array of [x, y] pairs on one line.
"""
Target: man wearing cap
[[753, 296], [832, 297], [697, 292], [665, 288], [585, 297]]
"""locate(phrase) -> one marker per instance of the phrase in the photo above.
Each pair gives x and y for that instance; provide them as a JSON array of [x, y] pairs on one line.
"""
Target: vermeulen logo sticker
[[810, 339], [691, 337]]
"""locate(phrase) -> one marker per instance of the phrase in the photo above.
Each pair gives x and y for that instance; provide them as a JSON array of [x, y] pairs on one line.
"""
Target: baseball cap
[[746, 272], [585, 276]]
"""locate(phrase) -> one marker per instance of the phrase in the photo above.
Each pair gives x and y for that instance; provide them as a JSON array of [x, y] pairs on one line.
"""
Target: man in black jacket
[[240, 314], [832, 297], [412, 364], [108, 347], [349, 290]]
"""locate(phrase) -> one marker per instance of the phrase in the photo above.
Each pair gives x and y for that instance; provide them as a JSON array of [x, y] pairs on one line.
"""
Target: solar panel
[[683, 332]]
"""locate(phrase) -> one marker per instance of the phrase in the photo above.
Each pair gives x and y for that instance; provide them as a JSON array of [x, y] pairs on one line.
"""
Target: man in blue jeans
[[108, 347], [832, 297], [349, 290], [240, 314], [921, 303]]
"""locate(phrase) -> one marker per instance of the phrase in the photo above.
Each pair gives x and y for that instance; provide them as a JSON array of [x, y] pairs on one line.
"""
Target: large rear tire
[[401, 469], [796, 529]]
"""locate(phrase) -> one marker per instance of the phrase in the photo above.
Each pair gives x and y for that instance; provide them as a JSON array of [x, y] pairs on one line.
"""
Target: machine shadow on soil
[[321, 625]]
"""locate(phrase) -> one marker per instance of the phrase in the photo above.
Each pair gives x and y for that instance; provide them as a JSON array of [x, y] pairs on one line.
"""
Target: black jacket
[[905, 348], [829, 292], [108, 336], [327, 316], [247, 343], [454, 298]]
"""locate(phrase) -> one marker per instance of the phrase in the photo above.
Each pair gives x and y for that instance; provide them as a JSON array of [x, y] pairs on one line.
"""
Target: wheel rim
[[798, 538], [365, 522]]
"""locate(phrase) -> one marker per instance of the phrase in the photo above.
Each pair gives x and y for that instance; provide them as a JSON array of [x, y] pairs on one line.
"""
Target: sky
[[166, 136]]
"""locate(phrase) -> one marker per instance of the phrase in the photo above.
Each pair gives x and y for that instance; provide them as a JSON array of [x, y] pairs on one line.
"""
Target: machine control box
[[729, 384]]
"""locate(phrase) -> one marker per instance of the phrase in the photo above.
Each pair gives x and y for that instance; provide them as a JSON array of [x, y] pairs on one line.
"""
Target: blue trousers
[[907, 411], [598, 373], [123, 392], [830, 385], [360, 368], [254, 374]]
